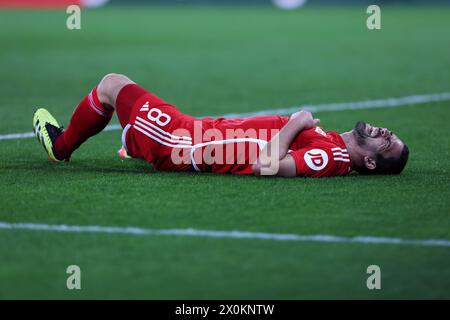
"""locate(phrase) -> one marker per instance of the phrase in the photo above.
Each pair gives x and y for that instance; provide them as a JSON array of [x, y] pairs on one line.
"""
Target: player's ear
[[369, 163]]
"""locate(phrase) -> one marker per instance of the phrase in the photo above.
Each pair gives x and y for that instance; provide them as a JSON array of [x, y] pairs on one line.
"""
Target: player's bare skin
[[109, 87]]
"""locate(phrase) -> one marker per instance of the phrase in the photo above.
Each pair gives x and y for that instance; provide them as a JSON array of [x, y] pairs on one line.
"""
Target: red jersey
[[172, 141]]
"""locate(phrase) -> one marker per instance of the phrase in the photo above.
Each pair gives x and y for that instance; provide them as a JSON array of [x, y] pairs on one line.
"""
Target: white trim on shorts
[[124, 136], [261, 144]]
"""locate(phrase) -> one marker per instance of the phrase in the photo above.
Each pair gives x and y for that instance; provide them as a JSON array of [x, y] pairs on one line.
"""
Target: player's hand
[[304, 120]]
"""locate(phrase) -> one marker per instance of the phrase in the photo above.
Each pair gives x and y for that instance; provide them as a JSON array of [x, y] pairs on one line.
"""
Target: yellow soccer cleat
[[46, 129]]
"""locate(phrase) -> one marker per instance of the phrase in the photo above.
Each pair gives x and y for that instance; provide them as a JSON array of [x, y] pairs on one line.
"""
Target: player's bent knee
[[110, 86]]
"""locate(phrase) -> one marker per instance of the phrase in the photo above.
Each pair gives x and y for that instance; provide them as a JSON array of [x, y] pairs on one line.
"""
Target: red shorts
[[149, 124]]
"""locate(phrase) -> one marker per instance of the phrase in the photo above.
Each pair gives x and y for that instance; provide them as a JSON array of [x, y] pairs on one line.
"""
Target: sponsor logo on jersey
[[145, 107], [316, 159]]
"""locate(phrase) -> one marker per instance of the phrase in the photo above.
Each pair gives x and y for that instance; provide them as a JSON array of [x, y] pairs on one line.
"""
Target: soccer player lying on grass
[[265, 145]]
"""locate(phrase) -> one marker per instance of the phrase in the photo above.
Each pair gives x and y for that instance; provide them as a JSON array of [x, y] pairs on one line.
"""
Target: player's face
[[376, 140]]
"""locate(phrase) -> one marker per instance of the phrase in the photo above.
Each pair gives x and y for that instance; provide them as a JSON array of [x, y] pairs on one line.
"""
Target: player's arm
[[274, 158]]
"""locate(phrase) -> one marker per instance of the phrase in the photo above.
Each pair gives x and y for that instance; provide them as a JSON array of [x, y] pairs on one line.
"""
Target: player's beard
[[359, 132]]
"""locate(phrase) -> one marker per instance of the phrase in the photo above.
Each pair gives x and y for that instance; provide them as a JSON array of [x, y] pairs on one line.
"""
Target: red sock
[[88, 119]]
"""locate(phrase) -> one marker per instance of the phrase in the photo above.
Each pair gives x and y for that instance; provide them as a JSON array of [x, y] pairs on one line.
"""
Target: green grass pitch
[[211, 61]]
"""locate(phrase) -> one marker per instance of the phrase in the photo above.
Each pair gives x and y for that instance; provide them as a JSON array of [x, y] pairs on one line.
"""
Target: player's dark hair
[[387, 165]]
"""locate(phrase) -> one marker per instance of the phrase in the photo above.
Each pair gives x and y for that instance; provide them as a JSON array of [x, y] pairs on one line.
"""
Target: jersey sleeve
[[315, 162]]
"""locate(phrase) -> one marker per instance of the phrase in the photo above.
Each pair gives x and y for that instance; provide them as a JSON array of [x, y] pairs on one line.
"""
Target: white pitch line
[[366, 104], [222, 234]]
